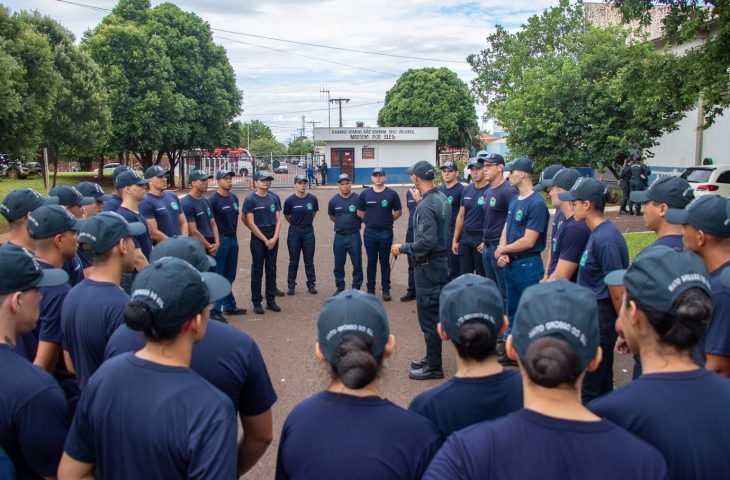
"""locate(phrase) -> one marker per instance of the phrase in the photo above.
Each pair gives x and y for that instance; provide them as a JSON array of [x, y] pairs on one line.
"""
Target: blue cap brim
[[676, 216], [615, 278], [539, 187], [218, 286], [567, 196], [50, 201], [87, 200], [639, 196], [211, 261], [447, 168], [135, 229], [475, 164], [104, 198], [53, 277]]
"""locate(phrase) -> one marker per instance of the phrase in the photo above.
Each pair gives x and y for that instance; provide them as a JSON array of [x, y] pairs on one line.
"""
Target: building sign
[[368, 153], [378, 134]]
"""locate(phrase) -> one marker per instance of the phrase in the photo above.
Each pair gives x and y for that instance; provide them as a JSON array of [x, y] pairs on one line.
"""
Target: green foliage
[[299, 146], [687, 20], [571, 93], [264, 146], [432, 97]]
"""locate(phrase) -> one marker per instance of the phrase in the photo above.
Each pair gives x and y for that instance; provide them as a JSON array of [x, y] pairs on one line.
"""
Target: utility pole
[[339, 102], [322, 91], [314, 144], [301, 139]]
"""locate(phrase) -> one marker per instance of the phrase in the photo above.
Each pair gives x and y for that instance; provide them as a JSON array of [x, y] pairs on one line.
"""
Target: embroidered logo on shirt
[[518, 215], [272, 207], [450, 199], [352, 208], [492, 201], [210, 214], [174, 206], [384, 203], [480, 201], [235, 205], [584, 258], [310, 207]]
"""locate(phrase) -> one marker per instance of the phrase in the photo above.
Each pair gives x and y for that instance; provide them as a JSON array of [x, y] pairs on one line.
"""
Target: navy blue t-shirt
[[473, 200], [144, 241], [526, 444], [301, 210], [569, 244], [165, 210], [460, 402], [379, 207], [605, 252], [558, 220], [172, 423], [225, 211], [34, 416], [198, 211], [411, 206], [332, 435], [683, 415], [91, 312], [717, 334], [226, 357], [75, 269], [496, 208], [345, 212], [263, 208], [113, 204], [529, 213], [453, 195], [671, 241]]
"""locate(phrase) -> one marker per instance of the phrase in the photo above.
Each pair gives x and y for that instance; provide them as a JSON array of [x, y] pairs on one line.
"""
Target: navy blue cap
[[475, 162], [119, 169], [546, 177], [423, 170], [22, 272], [522, 164], [198, 175], [184, 248], [93, 190], [558, 309], [155, 171], [660, 275], [49, 220], [448, 165], [708, 213], [588, 189], [69, 196], [378, 171], [470, 298], [263, 175], [352, 312], [494, 158], [344, 177], [101, 232], [18, 203], [223, 173], [301, 178], [129, 178], [673, 191], [565, 178]]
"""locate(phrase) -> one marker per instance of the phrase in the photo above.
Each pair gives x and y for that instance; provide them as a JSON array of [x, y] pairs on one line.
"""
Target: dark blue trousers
[[263, 258], [411, 281], [348, 244], [470, 261], [300, 241], [454, 267], [226, 264], [377, 248], [430, 279], [600, 381]]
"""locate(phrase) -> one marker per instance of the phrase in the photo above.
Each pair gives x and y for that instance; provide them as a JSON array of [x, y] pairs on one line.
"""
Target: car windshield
[[697, 175]]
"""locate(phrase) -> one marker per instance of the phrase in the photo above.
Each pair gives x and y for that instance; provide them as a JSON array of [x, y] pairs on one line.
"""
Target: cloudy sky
[[281, 81]]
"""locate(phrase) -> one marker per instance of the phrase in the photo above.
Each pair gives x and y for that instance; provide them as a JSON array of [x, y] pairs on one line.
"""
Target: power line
[[308, 111]]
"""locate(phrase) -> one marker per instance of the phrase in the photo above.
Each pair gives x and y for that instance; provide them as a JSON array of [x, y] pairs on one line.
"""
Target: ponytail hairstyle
[[550, 362], [138, 316], [476, 341], [353, 364]]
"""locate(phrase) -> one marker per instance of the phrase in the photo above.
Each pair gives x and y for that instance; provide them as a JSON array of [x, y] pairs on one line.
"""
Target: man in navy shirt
[[16, 208], [300, 208], [262, 215], [226, 210], [93, 309], [199, 214], [470, 221], [545, 185], [74, 202], [707, 233], [162, 209], [93, 190], [665, 192], [342, 210], [379, 207], [33, 410], [132, 189], [411, 206], [453, 189], [115, 202]]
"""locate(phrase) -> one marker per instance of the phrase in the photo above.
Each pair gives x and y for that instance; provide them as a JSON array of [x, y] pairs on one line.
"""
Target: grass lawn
[[637, 241]]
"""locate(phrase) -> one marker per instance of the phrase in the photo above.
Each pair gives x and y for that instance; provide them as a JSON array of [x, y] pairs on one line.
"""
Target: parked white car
[[709, 179], [108, 168]]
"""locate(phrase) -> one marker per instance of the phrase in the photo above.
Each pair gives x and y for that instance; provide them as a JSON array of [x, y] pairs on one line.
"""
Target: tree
[[687, 20], [300, 145], [264, 146], [568, 92], [432, 97]]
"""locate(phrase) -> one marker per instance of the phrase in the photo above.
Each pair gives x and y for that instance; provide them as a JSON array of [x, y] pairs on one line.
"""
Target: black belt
[[351, 232], [425, 259], [522, 255], [378, 229]]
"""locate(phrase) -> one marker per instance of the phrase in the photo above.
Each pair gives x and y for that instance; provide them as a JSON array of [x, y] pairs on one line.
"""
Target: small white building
[[357, 151]]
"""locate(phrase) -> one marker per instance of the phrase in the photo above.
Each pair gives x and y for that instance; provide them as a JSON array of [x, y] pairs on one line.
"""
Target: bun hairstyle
[[684, 329], [353, 363], [551, 362], [139, 316], [476, 341], [609, 196]]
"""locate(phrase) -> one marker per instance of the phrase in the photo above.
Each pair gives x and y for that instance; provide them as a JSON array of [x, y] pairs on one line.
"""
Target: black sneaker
[[408, 296], [427, 373], [235, 311], [279, 293], [258, 309], [386, 296], [273, 306], [290, 291], [312, 290], [219, 318], [416, 364]]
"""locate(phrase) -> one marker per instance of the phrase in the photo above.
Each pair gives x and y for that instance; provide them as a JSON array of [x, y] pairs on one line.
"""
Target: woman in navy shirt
[[605, 252], [350, 430]]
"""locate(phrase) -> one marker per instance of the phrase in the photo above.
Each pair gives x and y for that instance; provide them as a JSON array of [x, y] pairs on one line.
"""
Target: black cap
[[378, 171], [155, 171], [102, 231], [475, 162], [546, 177], [129, 178], [119, 169], [448, 166], [470, 298], [184, 248], [93, 190], [352, 312], [586, 189], [301, 178], [50, 220], [343, 177], [566, 178], [708, 213], [223, 173], [175, 291], [559, 309], [18, 203], [199, 175], [522, 164], [69, 196], [263, 175], [660, 275], [673, 191], [493, 158], [22, 272], [423, 170]]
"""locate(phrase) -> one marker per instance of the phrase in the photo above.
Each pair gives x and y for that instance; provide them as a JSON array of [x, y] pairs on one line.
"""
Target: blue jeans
[[518, 275], [263, 258], [226, 264], [301, 241], [377, 248], [491, 270], [470, 261], [348, 244]]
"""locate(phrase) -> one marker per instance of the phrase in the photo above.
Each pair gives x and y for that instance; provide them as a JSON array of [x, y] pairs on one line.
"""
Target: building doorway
[[344, 159]]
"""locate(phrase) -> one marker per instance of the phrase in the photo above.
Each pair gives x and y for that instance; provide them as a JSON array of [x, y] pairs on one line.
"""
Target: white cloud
[[275, 82]]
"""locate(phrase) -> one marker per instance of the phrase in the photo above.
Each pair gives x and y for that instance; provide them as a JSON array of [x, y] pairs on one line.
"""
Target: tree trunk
[[85, 163], [53, 160]]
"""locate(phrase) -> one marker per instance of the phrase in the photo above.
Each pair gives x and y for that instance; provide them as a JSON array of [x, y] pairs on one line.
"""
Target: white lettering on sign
[[389, 134]]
